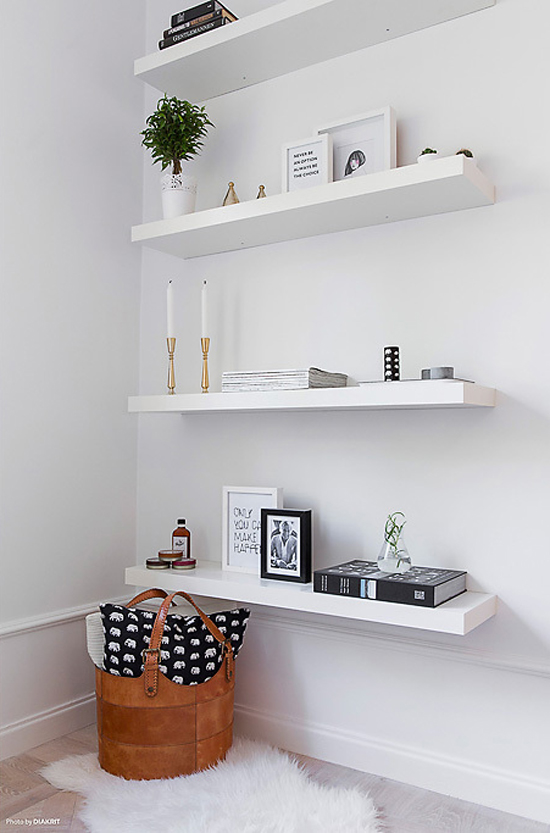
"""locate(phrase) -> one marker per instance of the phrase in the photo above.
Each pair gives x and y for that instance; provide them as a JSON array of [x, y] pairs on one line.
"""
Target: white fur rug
[[257, 789]]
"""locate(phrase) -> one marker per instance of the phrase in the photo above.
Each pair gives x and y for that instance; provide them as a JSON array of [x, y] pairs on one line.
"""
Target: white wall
[[70, 178], [461, 715]]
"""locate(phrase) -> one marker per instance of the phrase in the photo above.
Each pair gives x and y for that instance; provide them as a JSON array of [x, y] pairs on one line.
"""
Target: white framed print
[[307, 163], [242, 525], [363, 144]]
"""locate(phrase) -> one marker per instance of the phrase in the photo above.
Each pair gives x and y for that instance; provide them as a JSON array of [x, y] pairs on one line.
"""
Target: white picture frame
[[364, 144], [241, 530], [307, 163]]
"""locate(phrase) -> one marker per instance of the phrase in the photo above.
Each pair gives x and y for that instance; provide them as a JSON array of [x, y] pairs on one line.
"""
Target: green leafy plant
[[465, 152], [427, 150], [392, 534], [175, 132]]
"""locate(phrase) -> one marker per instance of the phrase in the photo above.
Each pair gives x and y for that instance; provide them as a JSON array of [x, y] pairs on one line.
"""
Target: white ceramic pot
[[427, 157], [179, 193]]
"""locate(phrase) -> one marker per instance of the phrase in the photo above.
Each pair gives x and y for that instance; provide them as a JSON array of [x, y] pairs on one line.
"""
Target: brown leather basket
[[149, 727]]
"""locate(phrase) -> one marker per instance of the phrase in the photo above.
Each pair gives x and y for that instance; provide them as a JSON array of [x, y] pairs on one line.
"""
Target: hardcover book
[[174, 30], [197, 11], [193, 31], [422, 586]]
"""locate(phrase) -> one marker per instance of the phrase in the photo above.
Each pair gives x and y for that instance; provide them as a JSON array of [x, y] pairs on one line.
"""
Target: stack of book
[[422, 586], [261, 380], [195, 21]]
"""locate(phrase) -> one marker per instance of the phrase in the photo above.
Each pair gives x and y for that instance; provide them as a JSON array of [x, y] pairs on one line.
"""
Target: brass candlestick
[[171, 344], [205, 382]]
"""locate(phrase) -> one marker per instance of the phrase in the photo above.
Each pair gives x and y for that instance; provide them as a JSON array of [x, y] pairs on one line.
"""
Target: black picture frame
[[286, 557]]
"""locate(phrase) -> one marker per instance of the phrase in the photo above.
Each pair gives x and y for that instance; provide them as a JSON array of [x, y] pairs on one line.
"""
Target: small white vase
[[390, 561], [179, 193], [427, 157]]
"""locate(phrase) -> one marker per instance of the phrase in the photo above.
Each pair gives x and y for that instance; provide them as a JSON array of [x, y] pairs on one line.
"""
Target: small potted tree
[[427, 155], [174, 134]]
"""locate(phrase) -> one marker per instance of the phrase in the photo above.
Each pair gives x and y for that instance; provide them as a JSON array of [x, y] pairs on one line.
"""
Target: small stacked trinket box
[[170, 559]]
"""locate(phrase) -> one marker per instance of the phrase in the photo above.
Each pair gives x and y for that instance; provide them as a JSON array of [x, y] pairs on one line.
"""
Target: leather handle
[[154, 593], [152, 653], [158, 627]]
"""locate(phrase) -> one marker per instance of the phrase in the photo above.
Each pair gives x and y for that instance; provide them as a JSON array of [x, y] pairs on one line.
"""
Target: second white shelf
[[449, 184]]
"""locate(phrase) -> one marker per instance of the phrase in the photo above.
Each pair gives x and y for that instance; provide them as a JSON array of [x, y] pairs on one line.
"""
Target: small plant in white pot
[[174, 134], [427, 155]]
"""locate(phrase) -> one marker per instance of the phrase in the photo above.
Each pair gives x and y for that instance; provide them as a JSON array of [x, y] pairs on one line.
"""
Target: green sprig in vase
[[394, 556]]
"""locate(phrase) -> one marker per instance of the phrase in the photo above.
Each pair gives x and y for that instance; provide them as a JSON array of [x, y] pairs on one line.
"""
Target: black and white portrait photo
[[355, 160], [286, 544], [363, 144], [284, 552]]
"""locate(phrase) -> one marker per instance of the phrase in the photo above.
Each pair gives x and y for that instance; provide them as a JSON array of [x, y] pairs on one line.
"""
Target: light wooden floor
[[27, 796]]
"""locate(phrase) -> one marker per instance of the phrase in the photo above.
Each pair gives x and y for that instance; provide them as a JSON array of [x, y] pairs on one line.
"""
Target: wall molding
[[39, 728], [16, 627], [409, 642], [500, 789]]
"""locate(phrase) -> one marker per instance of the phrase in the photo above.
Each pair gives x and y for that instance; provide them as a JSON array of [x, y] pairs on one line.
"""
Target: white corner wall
[[70, 177], [466, 716]]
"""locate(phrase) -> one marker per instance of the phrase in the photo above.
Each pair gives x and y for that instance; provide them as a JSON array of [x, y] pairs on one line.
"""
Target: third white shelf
[[374, 396]]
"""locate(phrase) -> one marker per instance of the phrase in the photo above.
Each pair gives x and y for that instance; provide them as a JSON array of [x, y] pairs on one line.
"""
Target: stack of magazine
[[260, 380], [195, 21]]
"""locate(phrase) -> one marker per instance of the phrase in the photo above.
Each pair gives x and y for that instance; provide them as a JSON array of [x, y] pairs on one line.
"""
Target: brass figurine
[[231, 197]]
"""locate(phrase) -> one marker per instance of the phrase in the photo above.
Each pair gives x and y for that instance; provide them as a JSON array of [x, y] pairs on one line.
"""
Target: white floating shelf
[[374, 396], [449, 184], [287, 37], [459, 615]]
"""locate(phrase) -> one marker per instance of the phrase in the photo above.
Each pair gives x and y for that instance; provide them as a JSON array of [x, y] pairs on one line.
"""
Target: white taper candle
[[170, 311], [204, 310]]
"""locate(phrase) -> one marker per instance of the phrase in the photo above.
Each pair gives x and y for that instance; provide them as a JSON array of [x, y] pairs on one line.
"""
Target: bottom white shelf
[[459, 615]]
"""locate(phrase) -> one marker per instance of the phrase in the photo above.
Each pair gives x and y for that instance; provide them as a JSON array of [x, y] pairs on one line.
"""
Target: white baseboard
[[489, 787], [29, 638], [40, 728]]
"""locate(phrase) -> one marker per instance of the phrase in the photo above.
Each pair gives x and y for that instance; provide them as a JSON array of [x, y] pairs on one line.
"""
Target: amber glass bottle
[[181, 539]]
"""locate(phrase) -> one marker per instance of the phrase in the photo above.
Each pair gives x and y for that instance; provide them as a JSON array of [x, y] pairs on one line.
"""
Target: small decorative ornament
[[261, 192], [184, 564], [231, 197], [169, 555], [394, 556], [427, 155], [391, 364], [157, 564], [438, 373], [465, 152]]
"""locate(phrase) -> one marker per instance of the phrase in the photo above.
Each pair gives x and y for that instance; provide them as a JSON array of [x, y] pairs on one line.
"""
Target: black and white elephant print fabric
[[189, 654]]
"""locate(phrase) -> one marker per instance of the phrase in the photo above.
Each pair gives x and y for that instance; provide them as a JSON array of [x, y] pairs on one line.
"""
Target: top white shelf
[[287, 37]]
